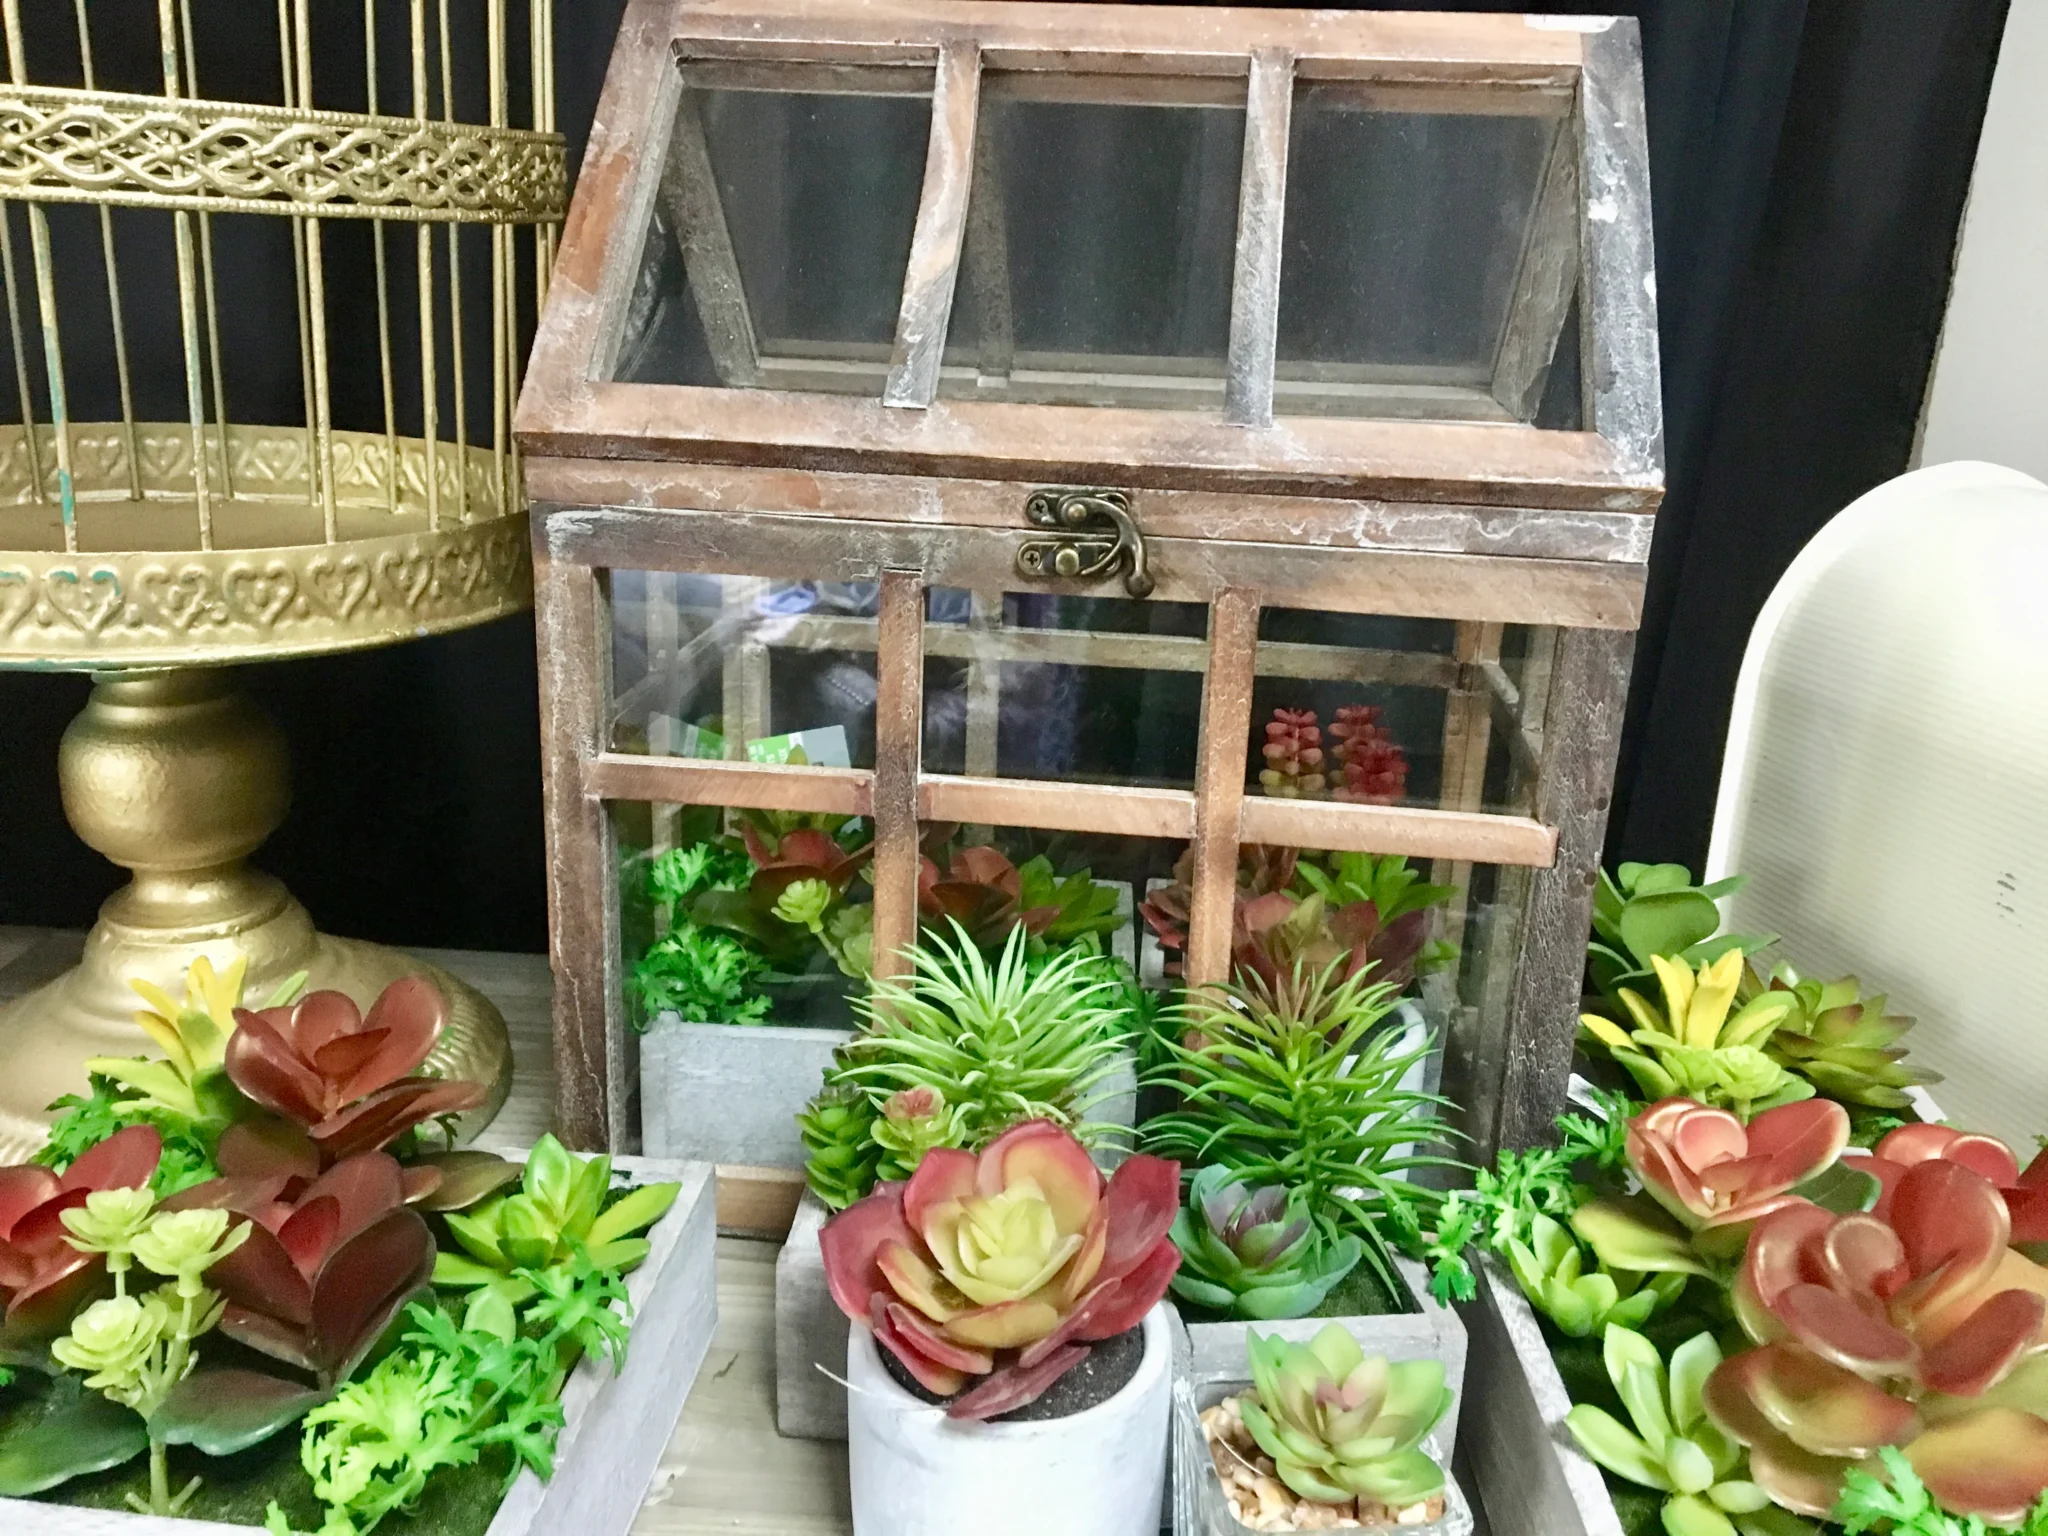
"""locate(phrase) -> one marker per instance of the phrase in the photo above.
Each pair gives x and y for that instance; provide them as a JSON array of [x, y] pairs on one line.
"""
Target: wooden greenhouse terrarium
[[976, 446]]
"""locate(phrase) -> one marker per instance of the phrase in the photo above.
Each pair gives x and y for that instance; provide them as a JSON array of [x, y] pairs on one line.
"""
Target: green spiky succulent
[[1655, 909], [1674, 1448], [1000, 1041], [1341, 1424], [837, 1127], [1255, 1253], [1842, 1042], [557, 1212], [1551, 1270]]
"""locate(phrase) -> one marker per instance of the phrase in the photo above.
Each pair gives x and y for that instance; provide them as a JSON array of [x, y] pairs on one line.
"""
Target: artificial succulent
[[1262, 869], [1694, 1046], [2025, 1190], [1708, 1179], [1842, 1042], [1371, 767], [1255, 1253], [1306, 1087], [192, 1032], [912, 1122], [1670, 1444], [1341, 1424], [980, 892], [1000, 1040], [1280, 936], [1922, 1330], [324, 1272], [1293, 755], [840, 1154], [986, 1277], [1551, 1270], [560, 1210], [1080, 906], [348, 1081], [45, 1277], [1655, 909]]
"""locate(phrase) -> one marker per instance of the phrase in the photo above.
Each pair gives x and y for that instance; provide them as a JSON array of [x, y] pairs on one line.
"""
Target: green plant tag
[[824, 747]]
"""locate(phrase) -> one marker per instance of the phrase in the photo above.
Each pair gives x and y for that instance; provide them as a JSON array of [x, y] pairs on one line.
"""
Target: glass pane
[[1389, 711], [1034, 685], [709, 933], [1404, 235], [779, 240], [1100, 241], [740, 667]]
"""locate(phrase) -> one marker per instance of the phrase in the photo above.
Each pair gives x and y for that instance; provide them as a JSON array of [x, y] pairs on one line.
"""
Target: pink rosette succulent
[[987, 1276]]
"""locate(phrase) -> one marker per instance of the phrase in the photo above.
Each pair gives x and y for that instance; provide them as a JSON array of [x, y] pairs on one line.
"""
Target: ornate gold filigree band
[[64, 145]]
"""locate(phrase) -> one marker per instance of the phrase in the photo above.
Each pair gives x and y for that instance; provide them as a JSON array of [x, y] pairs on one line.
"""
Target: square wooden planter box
[[730, 1093], [1530, 1473], [615, 1427], [1432, 1331]]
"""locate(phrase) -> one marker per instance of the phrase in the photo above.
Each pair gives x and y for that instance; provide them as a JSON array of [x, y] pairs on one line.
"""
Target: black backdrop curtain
[[1809, 163]]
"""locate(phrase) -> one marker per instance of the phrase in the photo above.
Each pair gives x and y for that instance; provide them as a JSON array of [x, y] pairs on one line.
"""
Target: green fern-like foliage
[[1301, 1085], [1000, 1041]]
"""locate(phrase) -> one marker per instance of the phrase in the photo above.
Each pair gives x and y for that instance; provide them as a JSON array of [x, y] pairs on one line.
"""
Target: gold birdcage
[[405, 187]]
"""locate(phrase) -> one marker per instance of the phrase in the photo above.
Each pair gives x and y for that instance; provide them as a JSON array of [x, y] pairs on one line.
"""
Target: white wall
[[1989, 395]]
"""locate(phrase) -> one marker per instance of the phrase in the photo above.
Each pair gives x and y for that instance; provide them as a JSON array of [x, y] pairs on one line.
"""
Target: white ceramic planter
[[1100, 1472], [730, 1093], [615, 1428], [1431, 1332]]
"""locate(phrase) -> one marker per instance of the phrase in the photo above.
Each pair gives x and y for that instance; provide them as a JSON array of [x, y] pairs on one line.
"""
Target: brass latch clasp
[[1094, 537]]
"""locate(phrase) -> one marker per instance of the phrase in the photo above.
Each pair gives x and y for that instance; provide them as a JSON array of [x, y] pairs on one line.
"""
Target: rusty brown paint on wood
[[1261, 215], [1416, 831], [582, 883], [899, 744], [1112, 809], [707, 781], [1396, 583], [934, 266], [1467, 463], [1219, 782], [1581, 735], [1322, 522]]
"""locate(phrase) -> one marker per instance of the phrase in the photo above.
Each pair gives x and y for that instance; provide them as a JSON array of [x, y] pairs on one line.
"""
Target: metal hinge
[[1094, 537]]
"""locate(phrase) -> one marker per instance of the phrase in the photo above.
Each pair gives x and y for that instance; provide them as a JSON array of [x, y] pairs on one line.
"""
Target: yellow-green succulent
[[1694, 1047]]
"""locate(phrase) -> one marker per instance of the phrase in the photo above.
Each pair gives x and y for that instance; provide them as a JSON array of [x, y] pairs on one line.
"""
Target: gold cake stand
[[159, 556]]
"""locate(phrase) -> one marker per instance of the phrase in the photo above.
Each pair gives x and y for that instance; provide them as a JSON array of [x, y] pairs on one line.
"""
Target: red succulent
[[2026, 1193], [1261, 870], [1005, 1266], [344, 1077], [1293, 753], [1371, 766], [321, 1275], [1908, 1332], [805, 854], [1719, 1177], [1273, 936], [43, 1279], [980, 890]]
